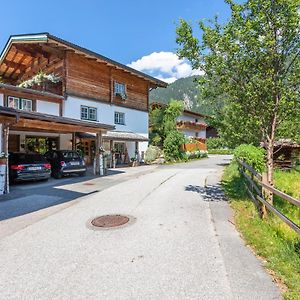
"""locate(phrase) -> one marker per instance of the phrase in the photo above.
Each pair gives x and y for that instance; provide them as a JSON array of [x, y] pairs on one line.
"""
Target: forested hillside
[[184, 89]]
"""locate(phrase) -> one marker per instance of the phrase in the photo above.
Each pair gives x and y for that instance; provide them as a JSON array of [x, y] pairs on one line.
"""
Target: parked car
[[65, 162], [28, 166]]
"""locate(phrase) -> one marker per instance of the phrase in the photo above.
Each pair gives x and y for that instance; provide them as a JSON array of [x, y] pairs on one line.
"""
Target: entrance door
[[13, 143], [121, 153], [87, 148]]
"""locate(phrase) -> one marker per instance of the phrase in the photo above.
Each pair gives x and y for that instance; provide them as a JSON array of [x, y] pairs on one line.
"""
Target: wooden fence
[[257, 188]]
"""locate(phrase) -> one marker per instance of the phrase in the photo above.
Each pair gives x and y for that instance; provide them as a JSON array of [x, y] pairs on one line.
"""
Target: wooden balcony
[[190, 125]]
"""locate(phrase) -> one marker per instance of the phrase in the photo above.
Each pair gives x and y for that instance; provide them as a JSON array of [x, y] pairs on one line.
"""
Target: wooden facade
[[83, 73]]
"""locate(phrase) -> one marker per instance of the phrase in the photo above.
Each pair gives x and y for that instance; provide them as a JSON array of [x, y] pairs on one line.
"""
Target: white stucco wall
[[186, 117], [1, 99], [65, 141], [191, 133], [135, 121], [47, 107]]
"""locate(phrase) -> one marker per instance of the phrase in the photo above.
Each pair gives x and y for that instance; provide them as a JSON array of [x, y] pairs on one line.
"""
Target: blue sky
[[139, 33]]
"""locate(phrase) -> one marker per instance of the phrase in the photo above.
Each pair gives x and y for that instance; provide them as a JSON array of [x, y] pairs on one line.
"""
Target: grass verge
[[220, 151], [271, 239]]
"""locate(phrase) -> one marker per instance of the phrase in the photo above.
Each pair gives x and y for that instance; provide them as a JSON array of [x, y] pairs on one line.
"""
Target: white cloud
[[165, 66]]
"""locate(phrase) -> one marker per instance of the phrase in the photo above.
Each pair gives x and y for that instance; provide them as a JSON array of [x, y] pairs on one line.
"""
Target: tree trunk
[[270, 159], [270, 168]]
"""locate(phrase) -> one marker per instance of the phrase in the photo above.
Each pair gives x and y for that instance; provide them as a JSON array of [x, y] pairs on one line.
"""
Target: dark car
[[28, 166], [65, 162]]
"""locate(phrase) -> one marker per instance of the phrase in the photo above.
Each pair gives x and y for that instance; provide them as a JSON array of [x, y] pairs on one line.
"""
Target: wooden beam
[[54, 126], [97, 154], [5, 150], [14, 65], [24, 52]]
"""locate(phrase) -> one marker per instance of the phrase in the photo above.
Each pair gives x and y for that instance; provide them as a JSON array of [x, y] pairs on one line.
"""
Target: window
[[13, 102], [17, 103], [88, 113], [26, 104], [119, 118], [119, 88]]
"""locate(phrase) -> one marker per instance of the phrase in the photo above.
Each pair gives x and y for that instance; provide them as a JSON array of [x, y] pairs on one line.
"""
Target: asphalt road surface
[[180, 244]]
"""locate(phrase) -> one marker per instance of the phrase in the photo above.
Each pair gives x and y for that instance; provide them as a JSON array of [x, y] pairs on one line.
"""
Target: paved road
[[182, 245]]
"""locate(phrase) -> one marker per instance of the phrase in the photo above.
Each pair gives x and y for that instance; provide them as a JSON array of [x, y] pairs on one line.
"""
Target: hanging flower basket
[[3, 161], [3, 158]]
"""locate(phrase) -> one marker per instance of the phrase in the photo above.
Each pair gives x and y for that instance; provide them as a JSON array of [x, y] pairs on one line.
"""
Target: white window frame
[[118, 119], [119, 88], [21, 103], [88, 113], [24, 103], [15, 100]]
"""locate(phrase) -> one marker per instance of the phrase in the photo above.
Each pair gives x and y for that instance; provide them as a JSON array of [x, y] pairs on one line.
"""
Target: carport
[[12, 119]]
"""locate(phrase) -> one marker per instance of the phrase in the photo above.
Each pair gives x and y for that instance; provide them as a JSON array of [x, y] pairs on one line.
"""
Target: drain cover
[[109, 221]]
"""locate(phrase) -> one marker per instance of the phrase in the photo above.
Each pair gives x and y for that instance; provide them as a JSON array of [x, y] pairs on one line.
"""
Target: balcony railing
[[191, 125]]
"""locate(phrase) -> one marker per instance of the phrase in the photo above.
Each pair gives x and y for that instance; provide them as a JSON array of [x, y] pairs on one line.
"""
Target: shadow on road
[[29, 197], [210, 193]]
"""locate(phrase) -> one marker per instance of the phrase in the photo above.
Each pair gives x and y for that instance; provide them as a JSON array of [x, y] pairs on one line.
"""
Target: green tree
[[253, 62], [163, 120]]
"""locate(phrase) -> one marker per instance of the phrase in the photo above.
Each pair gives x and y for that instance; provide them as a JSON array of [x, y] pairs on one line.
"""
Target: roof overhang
[[61, 44], [117, 136], [32, 121], [124, 136]]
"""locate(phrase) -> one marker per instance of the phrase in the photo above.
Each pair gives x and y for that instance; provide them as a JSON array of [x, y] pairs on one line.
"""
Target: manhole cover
[[109, 221]]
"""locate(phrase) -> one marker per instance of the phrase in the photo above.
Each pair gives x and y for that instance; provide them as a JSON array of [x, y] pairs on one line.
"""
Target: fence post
[[264, 194]]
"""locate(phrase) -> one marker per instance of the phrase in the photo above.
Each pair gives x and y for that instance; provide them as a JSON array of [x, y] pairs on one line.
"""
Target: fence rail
[[255, 186]]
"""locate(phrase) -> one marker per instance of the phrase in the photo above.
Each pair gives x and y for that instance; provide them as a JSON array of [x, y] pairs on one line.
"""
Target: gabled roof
[[189, 112], [48, 38]]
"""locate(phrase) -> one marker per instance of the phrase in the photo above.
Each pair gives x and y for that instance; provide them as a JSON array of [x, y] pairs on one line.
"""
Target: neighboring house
[[190, 123], [106, 97]]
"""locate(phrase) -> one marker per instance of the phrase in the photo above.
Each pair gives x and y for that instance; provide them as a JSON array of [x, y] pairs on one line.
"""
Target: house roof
[[124, 136], [283, 143], [49, 38], [116, 136], [196, 114]]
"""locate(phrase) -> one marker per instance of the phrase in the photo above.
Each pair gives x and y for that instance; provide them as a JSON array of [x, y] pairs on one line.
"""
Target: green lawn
[[271, 238]]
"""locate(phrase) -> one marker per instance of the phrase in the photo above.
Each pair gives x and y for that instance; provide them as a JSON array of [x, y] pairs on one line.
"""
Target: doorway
[[121, 153]]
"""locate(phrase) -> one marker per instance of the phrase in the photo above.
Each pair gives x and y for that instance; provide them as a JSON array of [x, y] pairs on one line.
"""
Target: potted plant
[[133, 162], [40, 81], [3, 158], [122, 95]]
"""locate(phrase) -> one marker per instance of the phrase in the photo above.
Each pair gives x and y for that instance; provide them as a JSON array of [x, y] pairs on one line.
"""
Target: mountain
[[184, 89]]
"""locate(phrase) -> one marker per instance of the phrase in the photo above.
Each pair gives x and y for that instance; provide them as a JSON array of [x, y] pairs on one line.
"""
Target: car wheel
[[81, 174], [57, 175]]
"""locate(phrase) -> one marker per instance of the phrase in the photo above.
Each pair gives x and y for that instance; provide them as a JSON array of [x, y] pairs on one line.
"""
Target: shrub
[[215, 143], [152, 153], [252, 155], [172, 145]]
